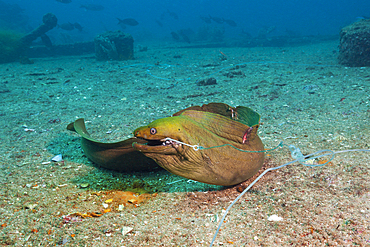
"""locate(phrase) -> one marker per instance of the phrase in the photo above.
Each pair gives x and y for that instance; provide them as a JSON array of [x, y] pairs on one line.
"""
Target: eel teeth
[[169, 142]]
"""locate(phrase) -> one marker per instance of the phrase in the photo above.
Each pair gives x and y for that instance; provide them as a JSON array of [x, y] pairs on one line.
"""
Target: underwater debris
[[114, 45], [49, 22]]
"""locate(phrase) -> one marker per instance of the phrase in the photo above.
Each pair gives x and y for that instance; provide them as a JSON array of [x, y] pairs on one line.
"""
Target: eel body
[[172, 144], [117, 156]]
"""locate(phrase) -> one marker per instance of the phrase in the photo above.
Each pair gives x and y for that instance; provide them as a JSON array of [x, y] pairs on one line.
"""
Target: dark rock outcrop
[[354, 49]]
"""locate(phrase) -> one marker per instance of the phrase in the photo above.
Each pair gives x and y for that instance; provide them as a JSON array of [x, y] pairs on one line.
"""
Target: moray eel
[[208, 127]]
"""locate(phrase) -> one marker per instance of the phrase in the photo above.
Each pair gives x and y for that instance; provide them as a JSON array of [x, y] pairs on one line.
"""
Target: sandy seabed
[[304, 97]]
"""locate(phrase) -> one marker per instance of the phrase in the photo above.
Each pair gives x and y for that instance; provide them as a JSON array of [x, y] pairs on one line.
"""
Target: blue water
[[309, 17]]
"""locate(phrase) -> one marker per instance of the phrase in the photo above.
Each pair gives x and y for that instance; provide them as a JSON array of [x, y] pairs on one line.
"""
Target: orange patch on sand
[[126, 198], [324, 161], [115, 200]]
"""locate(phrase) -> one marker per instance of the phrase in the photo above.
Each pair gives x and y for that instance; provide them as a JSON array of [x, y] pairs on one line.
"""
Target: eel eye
[[153, 131]]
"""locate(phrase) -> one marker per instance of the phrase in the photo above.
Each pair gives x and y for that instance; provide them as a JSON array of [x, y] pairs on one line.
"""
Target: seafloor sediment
[[304, 97]]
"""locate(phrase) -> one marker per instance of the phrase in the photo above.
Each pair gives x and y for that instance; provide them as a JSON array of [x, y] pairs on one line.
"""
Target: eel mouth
[[162, 145], [161, 142]]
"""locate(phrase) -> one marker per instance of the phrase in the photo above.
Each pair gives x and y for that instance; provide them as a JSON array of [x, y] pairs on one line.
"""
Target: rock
[[30, 206], [354, 48], [207, 82], [114, 45]]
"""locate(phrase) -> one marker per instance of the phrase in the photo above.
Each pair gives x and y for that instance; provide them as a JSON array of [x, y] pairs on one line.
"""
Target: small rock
[[206, 82], [109, 201], [120, 207], [30, 206]]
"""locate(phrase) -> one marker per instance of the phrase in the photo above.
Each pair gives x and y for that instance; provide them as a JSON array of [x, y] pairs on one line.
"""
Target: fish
[[230, 22], [64, 1], [363, 17], [159, 23], [128, 21], [206, 19], [92, 7], [173, 15], [210, 126], [174, 143], [175, 36], [184, 36], [217, 19], [264, 31], [78, 26], [67, 26]]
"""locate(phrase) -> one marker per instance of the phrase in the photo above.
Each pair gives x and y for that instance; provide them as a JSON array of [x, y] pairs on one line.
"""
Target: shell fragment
[[126, 229], [274, 217], [57, 158]]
